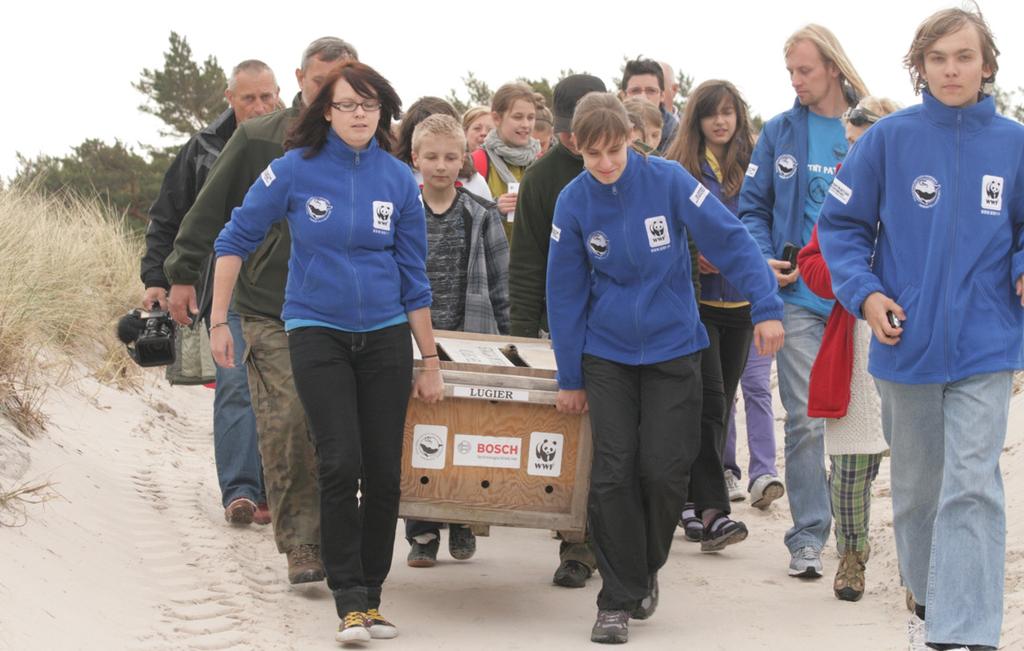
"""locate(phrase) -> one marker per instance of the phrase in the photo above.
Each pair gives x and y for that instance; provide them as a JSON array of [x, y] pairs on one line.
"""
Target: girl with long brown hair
[[714, 143]]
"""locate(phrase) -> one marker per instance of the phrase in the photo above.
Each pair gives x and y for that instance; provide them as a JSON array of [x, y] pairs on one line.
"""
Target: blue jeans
[[235, 444], [949, 512], [806, 480]]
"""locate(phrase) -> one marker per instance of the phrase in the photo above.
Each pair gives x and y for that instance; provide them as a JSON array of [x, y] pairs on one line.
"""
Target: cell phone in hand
[[893, 320], [789, 252], [513, 188]]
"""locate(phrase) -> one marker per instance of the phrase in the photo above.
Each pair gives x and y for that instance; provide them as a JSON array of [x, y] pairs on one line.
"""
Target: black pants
[[645, 422], [722, 364], [355, 389]]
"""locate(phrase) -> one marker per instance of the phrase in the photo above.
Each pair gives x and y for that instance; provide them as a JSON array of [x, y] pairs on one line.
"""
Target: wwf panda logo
[[993, 189], [382, 212], [658, 229], [926, 191], [785, 166], [318, 209], [546, 450], [598, 244]]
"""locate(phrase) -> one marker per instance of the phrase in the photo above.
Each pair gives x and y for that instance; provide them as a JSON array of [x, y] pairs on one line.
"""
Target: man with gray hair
[[288, 456], [252, 91]]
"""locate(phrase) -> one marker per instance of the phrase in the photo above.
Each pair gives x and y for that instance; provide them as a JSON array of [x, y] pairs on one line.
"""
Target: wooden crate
[[495, 451]]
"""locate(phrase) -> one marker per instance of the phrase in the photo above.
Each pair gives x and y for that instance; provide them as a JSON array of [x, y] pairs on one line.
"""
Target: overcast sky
[[68, 67]]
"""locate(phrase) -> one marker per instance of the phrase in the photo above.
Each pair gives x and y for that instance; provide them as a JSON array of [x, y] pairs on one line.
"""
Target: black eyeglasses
[[348, 106], [859, 116]]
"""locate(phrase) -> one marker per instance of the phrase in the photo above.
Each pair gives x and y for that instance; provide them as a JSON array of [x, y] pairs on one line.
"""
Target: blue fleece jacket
[[714, 287], [618, 276], [942, 191], [359, 242]]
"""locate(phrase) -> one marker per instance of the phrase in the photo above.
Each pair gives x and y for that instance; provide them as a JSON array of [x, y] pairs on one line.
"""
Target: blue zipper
[[629, 252], [348, 248], [952, 252]]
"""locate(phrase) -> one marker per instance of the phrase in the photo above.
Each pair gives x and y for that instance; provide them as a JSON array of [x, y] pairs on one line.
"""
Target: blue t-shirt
[[826, 148]]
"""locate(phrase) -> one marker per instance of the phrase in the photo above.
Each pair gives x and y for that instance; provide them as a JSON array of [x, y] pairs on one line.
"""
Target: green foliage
[[116, 173], [542, 86], [479, 94], [183, 94], [685, 82], [1007, 102]]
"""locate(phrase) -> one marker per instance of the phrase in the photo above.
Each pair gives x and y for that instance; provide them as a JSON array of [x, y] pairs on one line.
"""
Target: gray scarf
[[502, 155]]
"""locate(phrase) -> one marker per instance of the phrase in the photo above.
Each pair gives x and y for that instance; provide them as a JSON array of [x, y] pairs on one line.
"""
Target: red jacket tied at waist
[[829, 393]]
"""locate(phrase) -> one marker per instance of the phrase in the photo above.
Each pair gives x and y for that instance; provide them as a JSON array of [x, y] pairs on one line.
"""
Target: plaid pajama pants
[[850, 483]]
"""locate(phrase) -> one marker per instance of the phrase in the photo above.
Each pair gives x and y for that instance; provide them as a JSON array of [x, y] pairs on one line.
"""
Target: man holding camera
[[252, 91], [289, 461]]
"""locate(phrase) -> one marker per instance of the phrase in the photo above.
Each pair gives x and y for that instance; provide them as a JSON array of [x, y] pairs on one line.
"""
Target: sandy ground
[[135, 554]]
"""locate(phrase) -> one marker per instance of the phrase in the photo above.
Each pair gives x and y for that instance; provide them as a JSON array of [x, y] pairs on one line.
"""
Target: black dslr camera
[[148, 336]]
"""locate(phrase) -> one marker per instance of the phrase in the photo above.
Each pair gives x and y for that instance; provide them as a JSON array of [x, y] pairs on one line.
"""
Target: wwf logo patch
[[657, 232], [598, 244], [926, 191], [318, 209], [785, 166], [992, 193], [382, 212]]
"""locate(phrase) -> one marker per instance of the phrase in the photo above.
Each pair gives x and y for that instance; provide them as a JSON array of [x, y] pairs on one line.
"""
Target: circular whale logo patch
[[318, 209], [785, 166], [926, 191], [598, 244]]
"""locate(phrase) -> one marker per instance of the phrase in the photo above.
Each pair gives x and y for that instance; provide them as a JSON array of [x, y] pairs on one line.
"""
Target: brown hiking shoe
[[304, 564], [849, 583], [241, 511]]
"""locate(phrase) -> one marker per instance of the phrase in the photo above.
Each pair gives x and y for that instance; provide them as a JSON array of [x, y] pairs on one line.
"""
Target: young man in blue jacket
[[789, 174], [923, 232]]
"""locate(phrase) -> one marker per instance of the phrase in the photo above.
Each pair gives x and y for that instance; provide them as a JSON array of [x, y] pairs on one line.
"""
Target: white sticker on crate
[[492, 393], [429, 446], [545, 457], [487, 451]]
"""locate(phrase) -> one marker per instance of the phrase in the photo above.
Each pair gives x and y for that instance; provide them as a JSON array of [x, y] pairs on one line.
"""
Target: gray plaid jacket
[[487, 302]]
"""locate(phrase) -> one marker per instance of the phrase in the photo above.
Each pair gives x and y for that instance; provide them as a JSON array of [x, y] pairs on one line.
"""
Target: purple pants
[[757, 398]]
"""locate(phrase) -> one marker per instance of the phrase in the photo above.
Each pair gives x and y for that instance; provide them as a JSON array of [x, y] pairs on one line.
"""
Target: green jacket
[[260, 287], [528, 262], [531, 232]]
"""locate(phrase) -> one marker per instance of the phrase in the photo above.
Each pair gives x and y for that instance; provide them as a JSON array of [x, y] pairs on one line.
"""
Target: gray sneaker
[[805, 563], [611, 627], [649, 603], [732, 484]]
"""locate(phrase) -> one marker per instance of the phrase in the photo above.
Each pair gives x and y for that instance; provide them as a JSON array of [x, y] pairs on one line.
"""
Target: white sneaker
[[765, 490], [916, 634], [732, 484]]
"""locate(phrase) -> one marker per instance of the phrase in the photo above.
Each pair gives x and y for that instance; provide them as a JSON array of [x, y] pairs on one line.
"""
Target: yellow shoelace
[[374, 615], [354, 618]]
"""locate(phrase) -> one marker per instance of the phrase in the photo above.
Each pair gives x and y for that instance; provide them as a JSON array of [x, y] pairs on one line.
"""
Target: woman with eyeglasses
[[844, 394], [357, 286]]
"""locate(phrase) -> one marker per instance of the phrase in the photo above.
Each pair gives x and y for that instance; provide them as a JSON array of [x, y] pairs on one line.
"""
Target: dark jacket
[[260, 288], [528, 261], [182, 182]]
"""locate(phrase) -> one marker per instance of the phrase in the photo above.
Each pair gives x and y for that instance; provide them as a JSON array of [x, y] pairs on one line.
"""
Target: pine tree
[[185, 95]]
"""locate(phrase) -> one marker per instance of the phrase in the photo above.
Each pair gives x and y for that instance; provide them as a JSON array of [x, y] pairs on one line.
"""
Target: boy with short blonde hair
[[467, 265]]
